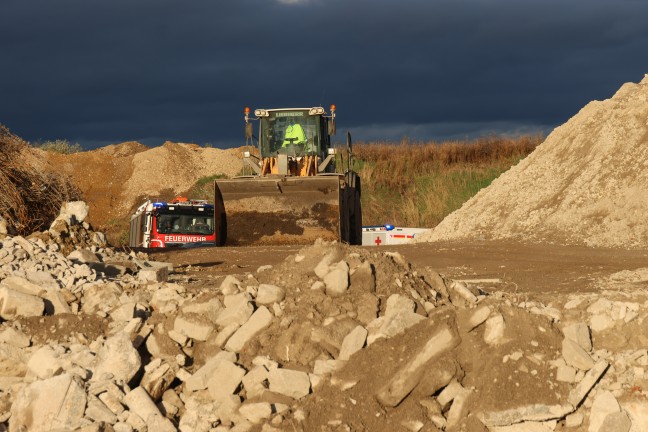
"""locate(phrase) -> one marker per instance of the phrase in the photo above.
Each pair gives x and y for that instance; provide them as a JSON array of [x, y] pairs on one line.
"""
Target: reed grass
[[418, 184]]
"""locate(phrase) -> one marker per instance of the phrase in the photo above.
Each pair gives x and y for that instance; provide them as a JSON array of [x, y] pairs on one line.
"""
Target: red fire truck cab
[[166, 224]]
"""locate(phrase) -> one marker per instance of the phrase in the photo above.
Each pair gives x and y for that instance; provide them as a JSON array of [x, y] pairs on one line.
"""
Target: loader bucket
[[280, 210]]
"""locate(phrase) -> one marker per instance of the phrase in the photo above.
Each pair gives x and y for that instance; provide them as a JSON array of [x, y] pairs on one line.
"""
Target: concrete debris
[[54, 403], [144, 348], [291, 383]]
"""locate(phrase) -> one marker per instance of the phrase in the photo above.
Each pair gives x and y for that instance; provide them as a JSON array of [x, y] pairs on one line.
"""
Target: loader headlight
[[316, 111], [261, 113], [331, 151], [246, 154]]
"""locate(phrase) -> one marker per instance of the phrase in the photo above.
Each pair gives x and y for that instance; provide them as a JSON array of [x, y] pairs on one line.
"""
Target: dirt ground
[[521, 268]]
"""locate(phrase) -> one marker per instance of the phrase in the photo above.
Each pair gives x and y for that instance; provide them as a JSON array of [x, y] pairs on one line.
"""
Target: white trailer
[[389, 235]]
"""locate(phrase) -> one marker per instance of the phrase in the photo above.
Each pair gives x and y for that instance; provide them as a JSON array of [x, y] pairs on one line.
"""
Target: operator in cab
[[294, 134]]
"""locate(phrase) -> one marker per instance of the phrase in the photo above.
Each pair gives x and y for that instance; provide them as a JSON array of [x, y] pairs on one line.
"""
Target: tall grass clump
[[418, 184], [59, 146], [204, 188]]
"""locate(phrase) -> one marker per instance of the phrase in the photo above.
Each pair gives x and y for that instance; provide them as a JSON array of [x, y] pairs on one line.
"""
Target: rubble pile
[[586, 184], [335, 338]]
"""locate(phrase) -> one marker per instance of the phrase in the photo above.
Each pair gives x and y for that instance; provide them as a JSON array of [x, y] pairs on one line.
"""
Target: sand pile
[[115, 179], [586, 184], [177, 167]]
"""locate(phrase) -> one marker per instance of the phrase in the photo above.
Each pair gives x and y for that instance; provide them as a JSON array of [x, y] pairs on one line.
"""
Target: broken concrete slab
[[534, 412], [268, 294], [225, 378], [288, 382], [14, 304], [579, 333], [199, 380], [256, 413], [139, 402], [353, 342], [117, 357], [260, 320], [55, 403], [408, 376], [194, 326], [575, 355], [237, 311], [44, 363], [592, 376], [604, 403]]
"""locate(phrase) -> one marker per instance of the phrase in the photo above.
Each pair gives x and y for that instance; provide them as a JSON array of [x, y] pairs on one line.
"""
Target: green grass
[[419, 185], [204, 188], [59, 146]]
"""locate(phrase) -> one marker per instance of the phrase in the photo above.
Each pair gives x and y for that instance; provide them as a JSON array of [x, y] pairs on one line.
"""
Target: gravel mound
[[586, 184]]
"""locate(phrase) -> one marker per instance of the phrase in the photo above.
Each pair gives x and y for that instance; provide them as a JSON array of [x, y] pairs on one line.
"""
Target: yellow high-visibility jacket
[[292, 132]]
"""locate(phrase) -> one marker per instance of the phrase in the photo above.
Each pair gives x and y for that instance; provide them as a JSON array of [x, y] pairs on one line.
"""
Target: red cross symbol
[[377, 241]]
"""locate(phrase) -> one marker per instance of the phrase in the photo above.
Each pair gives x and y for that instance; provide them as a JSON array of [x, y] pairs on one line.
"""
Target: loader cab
[[295, 132]]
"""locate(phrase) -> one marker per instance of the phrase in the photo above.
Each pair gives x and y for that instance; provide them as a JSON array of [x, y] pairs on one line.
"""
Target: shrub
[[59, 146]]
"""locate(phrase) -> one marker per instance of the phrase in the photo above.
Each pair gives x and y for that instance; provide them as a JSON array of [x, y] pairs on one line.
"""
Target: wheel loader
[[295, 186]]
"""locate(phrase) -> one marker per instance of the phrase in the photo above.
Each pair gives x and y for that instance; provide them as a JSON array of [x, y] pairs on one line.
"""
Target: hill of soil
[[586, 184], [116, 178]]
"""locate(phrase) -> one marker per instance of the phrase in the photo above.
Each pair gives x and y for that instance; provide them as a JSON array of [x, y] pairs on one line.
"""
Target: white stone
[[198, 381], [118, 357], [13, 337], [55, 403], [292, 383], [194, 326], [139, 402], [230, 285], [224, 380], [255, 413], [494, 329], [44, 363], [580, 334], [601, 322], [575, 355], [604, 403], [337, 279], [259, 321], [323, 267], [353, 342], [253, 382], [478, 317], [269, 294], [237, 311], [14, 304]]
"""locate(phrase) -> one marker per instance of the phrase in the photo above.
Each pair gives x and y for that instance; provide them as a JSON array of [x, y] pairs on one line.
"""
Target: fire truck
[[166, 224]]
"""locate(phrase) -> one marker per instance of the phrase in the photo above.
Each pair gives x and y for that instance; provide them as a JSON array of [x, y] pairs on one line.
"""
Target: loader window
[[290, 132]]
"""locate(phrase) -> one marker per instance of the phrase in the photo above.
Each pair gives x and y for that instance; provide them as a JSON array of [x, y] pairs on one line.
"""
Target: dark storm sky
[[101, 72]]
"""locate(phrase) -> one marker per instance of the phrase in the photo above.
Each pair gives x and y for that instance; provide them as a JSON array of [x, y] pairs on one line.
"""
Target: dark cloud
[[101, 72]]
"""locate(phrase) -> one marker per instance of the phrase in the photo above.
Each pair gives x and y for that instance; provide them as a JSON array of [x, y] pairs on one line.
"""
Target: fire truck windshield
[[185, 224]]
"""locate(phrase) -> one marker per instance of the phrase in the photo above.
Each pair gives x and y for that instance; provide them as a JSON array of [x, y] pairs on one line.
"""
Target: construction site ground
[[520, 268]]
